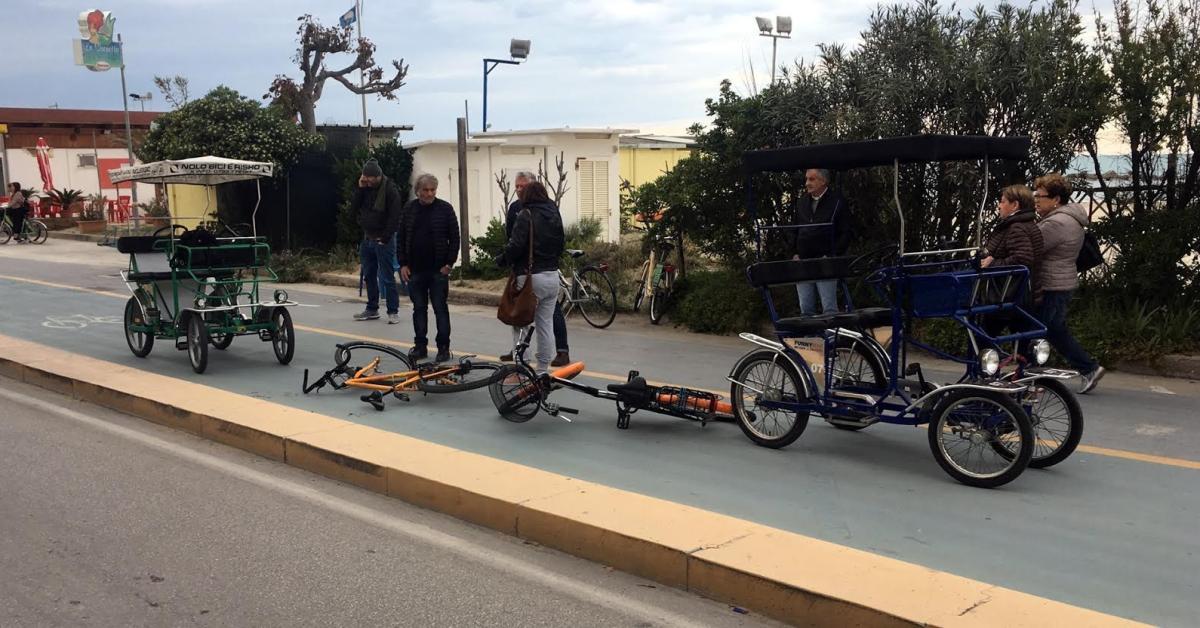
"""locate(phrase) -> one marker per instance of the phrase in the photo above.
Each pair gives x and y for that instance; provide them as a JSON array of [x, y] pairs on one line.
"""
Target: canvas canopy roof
[[882, 152], [207, 170]]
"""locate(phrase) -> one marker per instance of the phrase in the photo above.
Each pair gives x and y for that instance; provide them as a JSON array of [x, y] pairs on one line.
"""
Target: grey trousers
[[545, 289]]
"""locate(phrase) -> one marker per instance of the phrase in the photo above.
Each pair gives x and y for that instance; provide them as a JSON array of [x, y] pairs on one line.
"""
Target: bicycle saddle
[[635, 390]]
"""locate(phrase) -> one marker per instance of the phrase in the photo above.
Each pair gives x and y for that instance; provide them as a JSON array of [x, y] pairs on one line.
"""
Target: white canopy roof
[[207, 170]]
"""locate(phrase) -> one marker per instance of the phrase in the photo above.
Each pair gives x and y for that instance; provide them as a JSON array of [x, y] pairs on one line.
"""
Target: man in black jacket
[[379, 205], [428, 248], [826, 232], [562, 355]]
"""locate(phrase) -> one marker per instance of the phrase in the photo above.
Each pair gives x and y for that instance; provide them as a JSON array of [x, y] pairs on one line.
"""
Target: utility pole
[[358, 21], [128, 135], [464, 228]]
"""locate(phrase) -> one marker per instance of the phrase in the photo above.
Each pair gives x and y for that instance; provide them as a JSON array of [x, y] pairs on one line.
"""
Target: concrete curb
[[1176, 366], [78, 237], [783, 575], [460, 296]]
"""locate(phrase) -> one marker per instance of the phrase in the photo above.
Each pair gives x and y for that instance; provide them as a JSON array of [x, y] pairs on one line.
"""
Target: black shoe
[[507, 357], [443, 355], [561, 359], [418, 353]]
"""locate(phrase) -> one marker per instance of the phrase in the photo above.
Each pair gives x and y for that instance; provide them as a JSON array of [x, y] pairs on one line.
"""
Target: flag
[[349, 17]]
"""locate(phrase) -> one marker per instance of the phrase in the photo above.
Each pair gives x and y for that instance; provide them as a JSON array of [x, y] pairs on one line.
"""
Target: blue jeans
[[807, 291], [1053, 314], [560, 329], [425, 288], [379, 269]]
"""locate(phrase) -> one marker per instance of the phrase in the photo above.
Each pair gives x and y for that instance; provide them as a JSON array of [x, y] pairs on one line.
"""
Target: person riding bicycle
[[18, 207], [562, 356]]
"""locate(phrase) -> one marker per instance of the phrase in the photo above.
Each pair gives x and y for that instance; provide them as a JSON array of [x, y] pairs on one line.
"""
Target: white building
[[590, 160]]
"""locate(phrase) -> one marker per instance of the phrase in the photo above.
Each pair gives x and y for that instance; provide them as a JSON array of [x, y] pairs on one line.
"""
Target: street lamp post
[[783, 30], [142, 98], [518, 49]]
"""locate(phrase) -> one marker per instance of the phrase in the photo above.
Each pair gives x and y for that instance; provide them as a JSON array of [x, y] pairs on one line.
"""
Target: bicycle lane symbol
[[79, 321]]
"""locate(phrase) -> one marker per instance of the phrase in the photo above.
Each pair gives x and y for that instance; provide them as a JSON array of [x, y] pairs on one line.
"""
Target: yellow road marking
[[1091, 449]]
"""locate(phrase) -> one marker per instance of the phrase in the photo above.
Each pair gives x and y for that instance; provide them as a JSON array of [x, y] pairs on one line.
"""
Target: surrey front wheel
[[597, 298], [980, 438], [1057, 421], [197, 342], [283, 335], [762, 378]]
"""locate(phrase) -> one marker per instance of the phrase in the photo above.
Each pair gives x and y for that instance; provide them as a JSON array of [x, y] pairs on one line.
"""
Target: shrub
[[717, 301]]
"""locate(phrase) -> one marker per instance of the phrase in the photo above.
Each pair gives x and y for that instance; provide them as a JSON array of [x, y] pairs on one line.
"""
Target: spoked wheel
[[197, 342], [765, 376], [6, 233], [515, 393], [640, 295], [220, 297], [980, 438], [469, 376], [140, 342], [40, 232], [391, 360], [283, 335], [660, 300], [1057, 421], [598, 302], [855, 365]]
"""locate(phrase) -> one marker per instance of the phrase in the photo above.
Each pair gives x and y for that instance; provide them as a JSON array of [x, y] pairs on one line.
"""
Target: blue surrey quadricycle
[[197, 287], [1005, 412]]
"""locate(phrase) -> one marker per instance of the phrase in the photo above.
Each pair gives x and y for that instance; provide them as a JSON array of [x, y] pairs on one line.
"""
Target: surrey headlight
[[281, 296], [989, 361], [1041, 351]]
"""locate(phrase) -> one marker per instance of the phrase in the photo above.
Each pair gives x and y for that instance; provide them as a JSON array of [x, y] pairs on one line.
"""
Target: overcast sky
[[643, 64]]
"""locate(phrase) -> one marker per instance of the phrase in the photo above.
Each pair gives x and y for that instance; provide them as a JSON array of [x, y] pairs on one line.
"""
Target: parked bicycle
[[656, 279], [33, 230], [590, 290]]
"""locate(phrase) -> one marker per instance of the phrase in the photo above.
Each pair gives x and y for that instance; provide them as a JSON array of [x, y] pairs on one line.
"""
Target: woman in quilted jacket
[[1015, 241]]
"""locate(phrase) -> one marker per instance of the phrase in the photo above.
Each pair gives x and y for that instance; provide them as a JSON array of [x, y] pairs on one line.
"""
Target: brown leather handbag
[[517, 305]]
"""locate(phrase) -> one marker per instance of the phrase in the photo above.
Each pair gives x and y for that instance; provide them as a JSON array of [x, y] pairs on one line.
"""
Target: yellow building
[[645, 158]]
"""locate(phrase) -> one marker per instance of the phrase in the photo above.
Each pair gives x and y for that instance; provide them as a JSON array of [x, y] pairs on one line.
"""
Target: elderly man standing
[[378, 202], [826, 232], [428, 249], [562, 355]]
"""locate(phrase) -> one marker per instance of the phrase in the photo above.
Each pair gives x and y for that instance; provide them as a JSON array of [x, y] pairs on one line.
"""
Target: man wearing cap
[[379, 205]]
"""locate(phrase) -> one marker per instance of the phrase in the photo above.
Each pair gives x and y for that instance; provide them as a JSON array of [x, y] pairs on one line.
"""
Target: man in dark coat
[[428, 249], [562, 355], [824, 231], [378, 203]]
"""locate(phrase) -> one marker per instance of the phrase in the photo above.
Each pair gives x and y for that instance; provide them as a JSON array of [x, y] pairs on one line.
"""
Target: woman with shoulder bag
[[533, 253]]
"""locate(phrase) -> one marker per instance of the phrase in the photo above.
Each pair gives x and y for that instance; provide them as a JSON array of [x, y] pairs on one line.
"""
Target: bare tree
[[557, 189], [174, 89], [505, 189], [316, 43]]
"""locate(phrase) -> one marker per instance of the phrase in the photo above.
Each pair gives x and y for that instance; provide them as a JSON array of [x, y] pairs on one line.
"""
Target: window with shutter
[[593, 193]]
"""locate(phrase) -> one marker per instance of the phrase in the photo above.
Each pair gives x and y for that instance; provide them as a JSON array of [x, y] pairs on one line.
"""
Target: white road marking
[[468, 550]]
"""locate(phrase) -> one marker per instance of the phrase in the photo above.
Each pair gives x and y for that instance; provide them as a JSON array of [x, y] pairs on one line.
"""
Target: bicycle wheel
[[391, 360], [661, 298], [597, 298], [980, 438], [6, 233], [197, 341], [217, 298], [1057, 421], [38, 232], [467, 375], [640, 295], [283, 337], [515, 393], [140, 342], [766, 376], [855, 365]]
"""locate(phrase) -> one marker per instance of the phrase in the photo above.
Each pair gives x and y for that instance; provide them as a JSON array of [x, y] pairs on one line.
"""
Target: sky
[[634, 64]]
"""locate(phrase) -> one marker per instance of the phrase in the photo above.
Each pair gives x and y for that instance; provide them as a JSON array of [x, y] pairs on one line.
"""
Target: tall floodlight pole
[[518, 49], [128, 132], [361, 82], [783, 30]]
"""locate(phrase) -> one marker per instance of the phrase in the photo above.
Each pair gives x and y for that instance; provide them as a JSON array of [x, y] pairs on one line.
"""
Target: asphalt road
[[107, 520], [1111, 529]]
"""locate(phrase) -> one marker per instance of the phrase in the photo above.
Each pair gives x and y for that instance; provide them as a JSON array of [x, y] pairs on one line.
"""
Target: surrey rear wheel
[[766, 377]]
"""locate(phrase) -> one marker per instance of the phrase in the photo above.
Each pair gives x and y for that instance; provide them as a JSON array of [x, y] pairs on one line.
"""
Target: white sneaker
[[1090, 380], [394, 319]]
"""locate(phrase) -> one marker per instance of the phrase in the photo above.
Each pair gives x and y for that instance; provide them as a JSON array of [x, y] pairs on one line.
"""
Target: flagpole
[[358, 21]]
